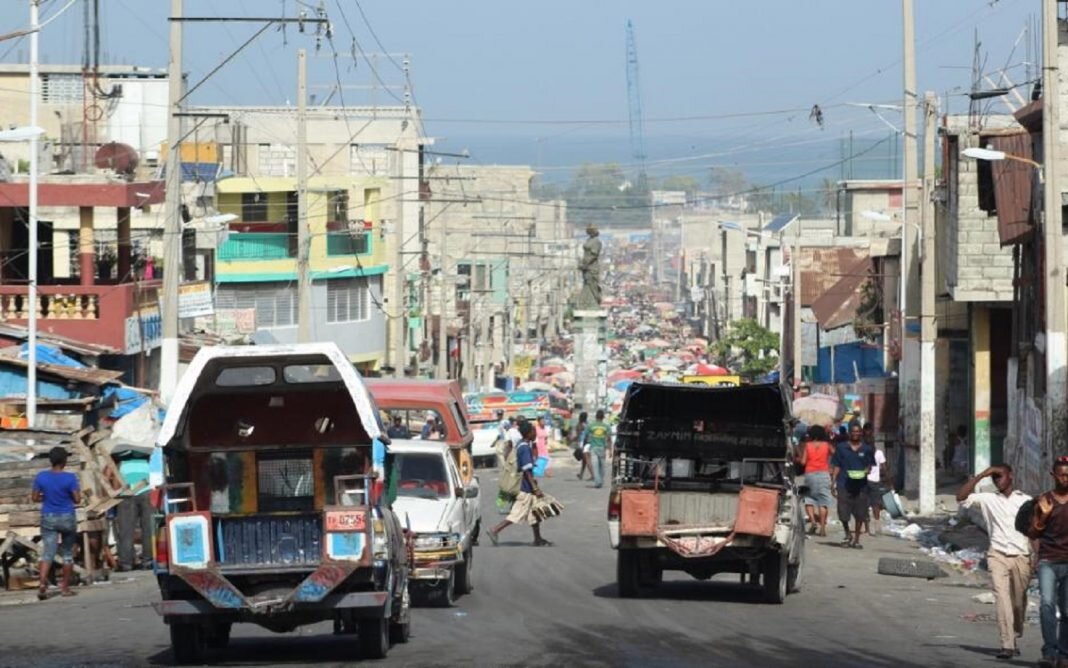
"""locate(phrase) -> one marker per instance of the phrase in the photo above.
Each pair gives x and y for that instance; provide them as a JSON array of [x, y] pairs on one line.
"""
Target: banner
[[195, 300]]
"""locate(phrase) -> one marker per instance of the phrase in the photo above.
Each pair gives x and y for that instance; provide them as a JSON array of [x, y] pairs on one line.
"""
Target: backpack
[[1024, 515]]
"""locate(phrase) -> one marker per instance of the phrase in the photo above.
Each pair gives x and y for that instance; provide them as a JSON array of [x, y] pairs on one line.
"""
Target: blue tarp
[[849, 360], [126, 400], [49, 355]]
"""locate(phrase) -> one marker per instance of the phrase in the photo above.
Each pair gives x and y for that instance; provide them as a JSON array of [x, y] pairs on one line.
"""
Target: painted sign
[[229, 321], [144, 331], [1031, 475], [190, 540], [521, 366], [195, 300]]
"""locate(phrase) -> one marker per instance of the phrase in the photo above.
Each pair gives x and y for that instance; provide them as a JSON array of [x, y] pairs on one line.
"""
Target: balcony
[[93, 314], [243, 246]]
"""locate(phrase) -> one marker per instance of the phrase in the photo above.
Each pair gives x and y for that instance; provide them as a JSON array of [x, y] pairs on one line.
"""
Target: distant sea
[[795, 164]]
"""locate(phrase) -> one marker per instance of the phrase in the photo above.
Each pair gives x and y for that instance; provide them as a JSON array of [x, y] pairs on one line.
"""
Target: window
[[243, 376], [277, 160], [421, 475], [368, 159], [346, 243], [275, 306], [254, 207], [285, 483], [338, 201], [348, 300], [311, 373], [985, 175]]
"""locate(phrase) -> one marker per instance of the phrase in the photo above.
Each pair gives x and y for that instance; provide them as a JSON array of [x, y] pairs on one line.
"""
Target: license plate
[[346, 520]]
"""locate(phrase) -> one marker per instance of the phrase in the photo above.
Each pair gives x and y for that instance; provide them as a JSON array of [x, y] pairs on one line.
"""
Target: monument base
[[591, 361]]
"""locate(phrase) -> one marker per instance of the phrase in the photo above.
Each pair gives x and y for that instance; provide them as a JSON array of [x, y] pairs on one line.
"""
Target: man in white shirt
[[1009, 556]]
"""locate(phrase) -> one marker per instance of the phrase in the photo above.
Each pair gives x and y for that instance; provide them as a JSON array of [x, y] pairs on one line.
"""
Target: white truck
[[443, 514]]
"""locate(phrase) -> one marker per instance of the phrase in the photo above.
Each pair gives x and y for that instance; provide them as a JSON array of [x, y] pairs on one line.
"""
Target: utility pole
[[399, 323], [443, 336], [1052, 237], [172, 217], [303, 233], [795, 310], [35, 91], [908, 392], [928, 324]]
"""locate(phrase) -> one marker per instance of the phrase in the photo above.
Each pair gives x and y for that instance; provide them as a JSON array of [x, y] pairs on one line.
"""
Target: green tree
[[727, 181], [747, 348], [601, 194], [687, 184]]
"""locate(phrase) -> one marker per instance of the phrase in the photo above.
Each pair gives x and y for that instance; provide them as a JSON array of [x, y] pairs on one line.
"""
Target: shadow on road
[[690, 590], [280, 650]]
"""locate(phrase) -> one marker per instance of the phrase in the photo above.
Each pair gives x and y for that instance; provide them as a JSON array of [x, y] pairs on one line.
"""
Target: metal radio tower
[[634, 98]]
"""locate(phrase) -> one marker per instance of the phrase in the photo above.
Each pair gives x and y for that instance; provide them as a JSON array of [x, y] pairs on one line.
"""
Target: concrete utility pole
[[908, 392], [443, 274], [399, 321], [172, 217], [35, 90], [303, 233], [928, 324], [1052, 237], [795, 295]]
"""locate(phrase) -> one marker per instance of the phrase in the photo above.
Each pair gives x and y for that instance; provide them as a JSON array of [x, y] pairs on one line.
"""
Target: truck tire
[[910, 568], [628, 573], [445, 591], [649, 571], [217, 636], [400, 627], [794, 572], [774, 575], [464, 583], [187, 643], [374, 638]]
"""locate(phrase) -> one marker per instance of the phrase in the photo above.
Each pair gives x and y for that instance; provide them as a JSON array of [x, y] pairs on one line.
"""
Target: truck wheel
[[187, 643], [628, 573], [794, 573], [775, 576], [400, 627], [650, 572], [217, 636], [374, 638], [464, 584], [445, 591]]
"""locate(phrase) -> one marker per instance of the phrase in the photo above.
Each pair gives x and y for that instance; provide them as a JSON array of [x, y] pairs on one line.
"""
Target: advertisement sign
[[195, 300], [229, 321], [144, 331]]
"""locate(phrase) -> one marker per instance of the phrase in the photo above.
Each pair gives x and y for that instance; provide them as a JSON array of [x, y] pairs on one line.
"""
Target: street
[[557, 606]]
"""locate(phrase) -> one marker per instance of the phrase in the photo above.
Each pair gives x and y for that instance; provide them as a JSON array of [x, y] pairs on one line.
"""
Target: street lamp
[[990, 154], [30, 133]]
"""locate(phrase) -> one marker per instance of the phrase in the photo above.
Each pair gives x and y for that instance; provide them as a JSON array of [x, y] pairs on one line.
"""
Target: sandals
[[42, 593], [68, 593], [543, 543]]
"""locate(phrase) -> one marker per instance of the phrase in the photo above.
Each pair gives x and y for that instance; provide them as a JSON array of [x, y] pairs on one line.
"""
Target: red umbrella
[[702, 369], [624, 374]]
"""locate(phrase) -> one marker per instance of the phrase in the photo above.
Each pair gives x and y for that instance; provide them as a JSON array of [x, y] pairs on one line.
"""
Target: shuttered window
[[348, 300], [275, 304]]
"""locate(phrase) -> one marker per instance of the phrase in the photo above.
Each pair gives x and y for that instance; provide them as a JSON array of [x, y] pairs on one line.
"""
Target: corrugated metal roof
[[837, 306], [19, 333], [821, 268], [90, 375]]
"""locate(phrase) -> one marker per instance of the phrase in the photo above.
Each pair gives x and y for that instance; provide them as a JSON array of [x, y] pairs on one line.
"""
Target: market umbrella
[[698, 342], [821, 409], [536, 386], [622, 385], [623, 374], [554, 361], [657, 343], [704, 369], [563, 379]]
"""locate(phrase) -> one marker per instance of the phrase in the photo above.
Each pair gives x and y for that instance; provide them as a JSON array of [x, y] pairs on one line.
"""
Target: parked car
[[484, 447], [444, 516], [276, 511], [702, 483]]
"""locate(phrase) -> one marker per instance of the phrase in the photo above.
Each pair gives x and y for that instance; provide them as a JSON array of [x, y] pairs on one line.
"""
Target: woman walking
[[816, 462], [58, 493]]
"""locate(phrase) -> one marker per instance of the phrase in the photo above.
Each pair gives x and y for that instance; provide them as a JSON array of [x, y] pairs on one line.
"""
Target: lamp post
[[30, 133]]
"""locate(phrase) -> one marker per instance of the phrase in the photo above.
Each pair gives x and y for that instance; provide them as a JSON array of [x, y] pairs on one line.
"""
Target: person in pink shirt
[[541, 443]]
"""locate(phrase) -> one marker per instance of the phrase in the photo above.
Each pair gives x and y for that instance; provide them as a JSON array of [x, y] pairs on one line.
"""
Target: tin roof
[[89, 375], [821, 268], [19, 333], [837, 306]]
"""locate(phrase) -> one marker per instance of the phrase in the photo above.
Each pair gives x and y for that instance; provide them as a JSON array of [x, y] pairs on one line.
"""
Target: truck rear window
[[244, 376], [285, 482]]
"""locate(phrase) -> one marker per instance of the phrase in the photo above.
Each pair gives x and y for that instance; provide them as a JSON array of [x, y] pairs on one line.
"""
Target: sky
[[722, 82]]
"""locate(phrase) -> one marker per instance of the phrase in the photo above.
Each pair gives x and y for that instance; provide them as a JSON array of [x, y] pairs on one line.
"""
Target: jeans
[[1053, 587], [597, 460], [58, 531], [132, 512]]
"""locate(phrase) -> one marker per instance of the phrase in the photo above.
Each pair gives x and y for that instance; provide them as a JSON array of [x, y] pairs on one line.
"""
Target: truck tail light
[[614, 505], [163, 556]]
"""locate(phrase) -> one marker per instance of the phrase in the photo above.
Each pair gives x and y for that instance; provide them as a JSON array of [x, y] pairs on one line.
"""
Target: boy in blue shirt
[[522, 509]]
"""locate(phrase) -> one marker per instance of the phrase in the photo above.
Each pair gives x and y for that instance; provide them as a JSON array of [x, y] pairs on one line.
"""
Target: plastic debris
[[987, 597]]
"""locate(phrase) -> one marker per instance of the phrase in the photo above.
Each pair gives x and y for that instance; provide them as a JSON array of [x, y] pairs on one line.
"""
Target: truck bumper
[[371, 604]]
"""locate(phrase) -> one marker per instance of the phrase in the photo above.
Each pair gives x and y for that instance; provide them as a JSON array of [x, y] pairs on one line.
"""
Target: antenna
[[634, 99]]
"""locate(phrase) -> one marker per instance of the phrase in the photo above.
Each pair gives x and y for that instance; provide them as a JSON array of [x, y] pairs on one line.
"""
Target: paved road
[[557, 606]]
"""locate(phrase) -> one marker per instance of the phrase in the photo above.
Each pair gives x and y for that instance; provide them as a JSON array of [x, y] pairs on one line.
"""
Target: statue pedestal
[[591, 361]]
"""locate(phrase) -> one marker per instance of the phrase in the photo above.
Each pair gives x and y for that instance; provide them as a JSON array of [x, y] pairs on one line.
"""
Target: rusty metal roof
[[19, 333], [837, 306], [89, 375], [821, 268]]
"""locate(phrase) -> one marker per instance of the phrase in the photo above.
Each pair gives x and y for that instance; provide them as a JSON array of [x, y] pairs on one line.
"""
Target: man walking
[[529, 492], [1009, 555], [850, 466], [1049, 526], [597, 440]]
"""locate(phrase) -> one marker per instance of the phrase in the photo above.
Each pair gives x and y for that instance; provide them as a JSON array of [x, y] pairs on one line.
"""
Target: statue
[[590, 267]]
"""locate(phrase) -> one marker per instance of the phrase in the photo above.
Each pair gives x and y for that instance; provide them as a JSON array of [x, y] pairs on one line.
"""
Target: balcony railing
[[62, 306], [258, 246], [346, 243]]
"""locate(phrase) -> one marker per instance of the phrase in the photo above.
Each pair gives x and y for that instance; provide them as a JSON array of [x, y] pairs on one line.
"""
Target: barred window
[[275, 304], [57, 88], [368, 159], [348, 300]]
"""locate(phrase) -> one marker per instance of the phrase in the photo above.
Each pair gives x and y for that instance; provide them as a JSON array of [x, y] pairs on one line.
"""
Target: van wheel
[[374, 638], [774, 577], [187, 643], [464, 584], [628, 573]]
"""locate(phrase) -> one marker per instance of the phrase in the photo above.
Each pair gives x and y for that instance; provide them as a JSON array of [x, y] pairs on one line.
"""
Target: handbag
[[577, 454]]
